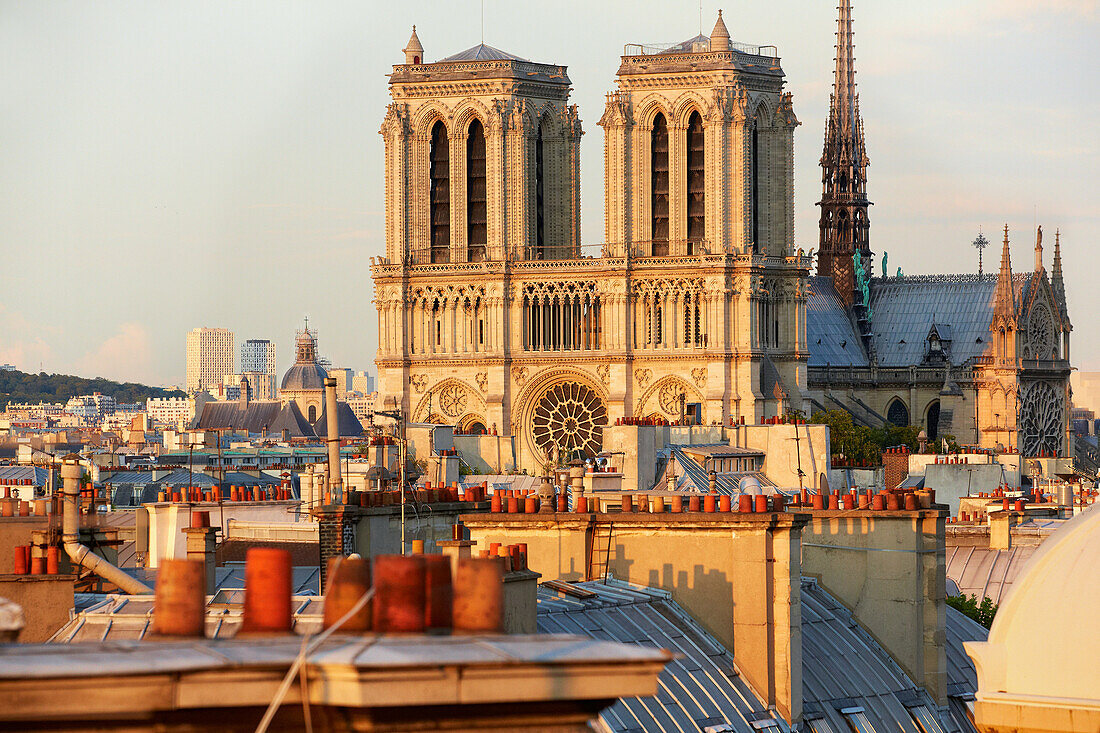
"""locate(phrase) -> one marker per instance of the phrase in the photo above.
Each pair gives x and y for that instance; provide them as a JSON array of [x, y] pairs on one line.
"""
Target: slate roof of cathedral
[[482, 52], [904, 309], [830, 332]]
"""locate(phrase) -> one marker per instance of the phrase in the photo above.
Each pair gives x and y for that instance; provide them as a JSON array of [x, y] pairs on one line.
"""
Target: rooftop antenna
[[482, 22], [700, 17], [979, 244]]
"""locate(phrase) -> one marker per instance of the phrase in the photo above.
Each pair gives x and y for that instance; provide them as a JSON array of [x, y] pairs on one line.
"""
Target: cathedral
[[982, 358], [697, 307]]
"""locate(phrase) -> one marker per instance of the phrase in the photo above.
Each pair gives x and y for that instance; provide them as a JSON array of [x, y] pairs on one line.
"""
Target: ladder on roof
[[599, 551]]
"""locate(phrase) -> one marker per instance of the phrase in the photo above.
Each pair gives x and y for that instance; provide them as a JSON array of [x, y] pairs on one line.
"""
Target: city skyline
[[258, 168]]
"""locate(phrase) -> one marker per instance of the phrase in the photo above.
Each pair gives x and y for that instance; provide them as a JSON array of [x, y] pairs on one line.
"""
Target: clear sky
[[166, 165]]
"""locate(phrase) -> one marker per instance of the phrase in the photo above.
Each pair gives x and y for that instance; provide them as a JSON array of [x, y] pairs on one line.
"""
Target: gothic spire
[[1004, 298], [843, 106], [1056, 282], [844, 224]]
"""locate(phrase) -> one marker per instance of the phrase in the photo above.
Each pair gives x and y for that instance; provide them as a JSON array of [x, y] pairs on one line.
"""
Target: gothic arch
[[428, 115], [762, 113], [472, 423], [469, 110], [550, 116], [897, 412], [657, 398], [450, 399], [683, 107], [932, 419], [648, 110]]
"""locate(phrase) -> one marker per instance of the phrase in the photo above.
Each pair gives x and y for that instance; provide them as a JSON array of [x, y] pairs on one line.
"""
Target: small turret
[[414, 52], [719, 37]]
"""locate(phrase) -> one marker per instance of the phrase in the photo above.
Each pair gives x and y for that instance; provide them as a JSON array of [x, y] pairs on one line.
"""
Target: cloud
[[21, 341], [126, 356]]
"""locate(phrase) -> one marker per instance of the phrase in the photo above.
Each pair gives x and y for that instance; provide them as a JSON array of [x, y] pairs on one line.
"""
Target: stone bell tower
[[699, 150], [482, 159]]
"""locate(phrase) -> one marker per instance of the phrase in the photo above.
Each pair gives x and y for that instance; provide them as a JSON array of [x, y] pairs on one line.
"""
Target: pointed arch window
[[476, 219], [659, 165], [540, 196], [754, 173], [696, 182], [439, 204]]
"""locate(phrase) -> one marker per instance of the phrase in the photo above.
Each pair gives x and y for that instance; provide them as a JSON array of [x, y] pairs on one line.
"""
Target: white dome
[[1043, 648]]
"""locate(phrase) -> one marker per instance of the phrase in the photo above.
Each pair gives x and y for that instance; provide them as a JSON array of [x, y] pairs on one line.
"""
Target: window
[[925, 719], [898, 413], [540, 197], [439, 173], [312, 413], [857, 719], [659, 164], [476, 220], [696, 188], [755, 192]]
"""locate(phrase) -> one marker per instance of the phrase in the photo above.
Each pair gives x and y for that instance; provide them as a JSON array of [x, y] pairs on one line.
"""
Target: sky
[[166, 165]]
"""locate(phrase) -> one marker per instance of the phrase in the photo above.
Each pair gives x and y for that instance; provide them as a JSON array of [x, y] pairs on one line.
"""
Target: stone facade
[[532, 334]]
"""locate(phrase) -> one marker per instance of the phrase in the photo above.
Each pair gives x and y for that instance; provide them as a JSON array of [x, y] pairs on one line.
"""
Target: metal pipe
[[335, 480], [71, 473]]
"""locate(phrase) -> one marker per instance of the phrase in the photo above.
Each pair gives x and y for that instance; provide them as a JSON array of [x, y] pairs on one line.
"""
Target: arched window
[[476, 219], [696, 184], [440, 194], [659, 163], [898, 413], [933, 420], [540, 196], [312, 414], [755, 189]]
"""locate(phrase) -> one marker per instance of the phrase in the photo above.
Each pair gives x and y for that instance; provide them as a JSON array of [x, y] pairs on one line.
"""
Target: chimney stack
[[335, 480]]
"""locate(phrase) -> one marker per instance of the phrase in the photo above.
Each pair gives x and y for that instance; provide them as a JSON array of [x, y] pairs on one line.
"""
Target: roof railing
[[657, 49]]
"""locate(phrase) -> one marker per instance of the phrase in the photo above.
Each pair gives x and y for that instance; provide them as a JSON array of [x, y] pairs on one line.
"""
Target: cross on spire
[[980, 243]]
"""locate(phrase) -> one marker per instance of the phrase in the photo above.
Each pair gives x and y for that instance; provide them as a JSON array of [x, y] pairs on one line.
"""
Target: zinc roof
[[701, 687], [904, 309], [22, 473], [831, 335], [843, 667]]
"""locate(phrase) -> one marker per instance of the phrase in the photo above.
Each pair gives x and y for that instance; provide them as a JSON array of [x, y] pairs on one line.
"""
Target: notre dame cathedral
[[698, 305]]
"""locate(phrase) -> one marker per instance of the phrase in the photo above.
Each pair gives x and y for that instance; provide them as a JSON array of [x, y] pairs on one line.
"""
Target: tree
[[982, 612], [860, 443]]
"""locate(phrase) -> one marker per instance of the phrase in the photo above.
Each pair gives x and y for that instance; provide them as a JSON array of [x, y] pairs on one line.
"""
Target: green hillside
[[42, 387]]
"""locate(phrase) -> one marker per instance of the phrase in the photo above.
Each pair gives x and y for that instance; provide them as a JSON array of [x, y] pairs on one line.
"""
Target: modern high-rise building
[[209, 357], [258, 355]]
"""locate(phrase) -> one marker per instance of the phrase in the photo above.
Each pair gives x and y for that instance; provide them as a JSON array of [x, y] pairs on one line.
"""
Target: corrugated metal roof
[[700, 688], [904, 309], [830, 333], [691, 476], [962, 678], [842, 665], [8, 474], [122, 617], [982, 572]]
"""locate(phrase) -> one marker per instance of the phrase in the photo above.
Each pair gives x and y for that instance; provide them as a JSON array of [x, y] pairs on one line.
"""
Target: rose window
[[570, 416], [1042, 413], [1040, 332]]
